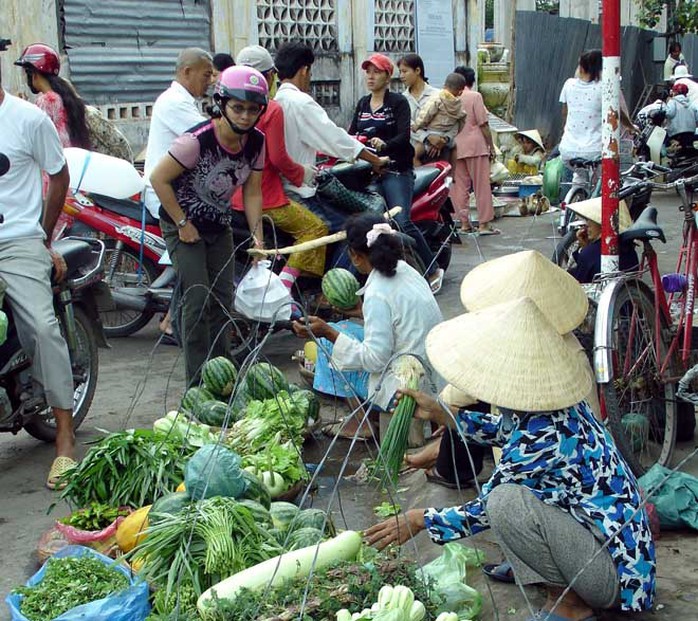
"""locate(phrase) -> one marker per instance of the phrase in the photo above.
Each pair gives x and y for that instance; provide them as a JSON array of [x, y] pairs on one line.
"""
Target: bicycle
[[643, 339]]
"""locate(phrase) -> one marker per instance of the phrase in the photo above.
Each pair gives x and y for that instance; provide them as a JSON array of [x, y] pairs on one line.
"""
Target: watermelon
[[195, 396], [256, 490], [308, 402], [304, 538], [212, 413], [173, 504], [293, 388], [259, 513], [214, 471], [313, 518], [279, 535], [283, 514], [339, 287], [264, 380], [219, 376]]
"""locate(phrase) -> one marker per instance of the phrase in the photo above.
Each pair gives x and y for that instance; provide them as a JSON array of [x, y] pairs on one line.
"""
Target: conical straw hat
[[511, 356], [455, 397], [533, 134], [527, 274], [591, 210]]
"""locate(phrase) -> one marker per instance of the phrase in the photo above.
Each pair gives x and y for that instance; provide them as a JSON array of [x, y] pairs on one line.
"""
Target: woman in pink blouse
[[55, 96]]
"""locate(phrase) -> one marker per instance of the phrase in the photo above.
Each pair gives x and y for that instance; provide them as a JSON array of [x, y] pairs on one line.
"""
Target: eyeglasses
[[239, 109]]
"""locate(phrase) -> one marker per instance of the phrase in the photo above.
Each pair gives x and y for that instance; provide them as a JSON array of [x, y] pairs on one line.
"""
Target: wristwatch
[[182, 223]]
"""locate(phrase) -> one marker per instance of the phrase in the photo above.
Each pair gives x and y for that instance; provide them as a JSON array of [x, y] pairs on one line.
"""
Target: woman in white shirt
[[418, 91], [399, 309]]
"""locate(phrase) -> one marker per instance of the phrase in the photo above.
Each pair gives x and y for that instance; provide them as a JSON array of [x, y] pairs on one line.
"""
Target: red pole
[[610, 163]]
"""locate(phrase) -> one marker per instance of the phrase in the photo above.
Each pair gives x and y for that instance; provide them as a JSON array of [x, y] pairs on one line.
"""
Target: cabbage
[[214, 471]]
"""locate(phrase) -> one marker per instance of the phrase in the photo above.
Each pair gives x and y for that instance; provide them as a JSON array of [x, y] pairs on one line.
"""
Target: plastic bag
[[103, 541], [262, 296], [675, 500], [49, 543], [129, 605], [552, 175], [449, 572]]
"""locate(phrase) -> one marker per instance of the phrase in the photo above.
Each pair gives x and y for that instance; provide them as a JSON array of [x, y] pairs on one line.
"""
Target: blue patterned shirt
[[569, 460]]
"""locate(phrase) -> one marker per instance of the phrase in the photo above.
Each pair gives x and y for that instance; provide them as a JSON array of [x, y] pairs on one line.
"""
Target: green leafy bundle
[[67, 583], [129, 468], [96, 516]]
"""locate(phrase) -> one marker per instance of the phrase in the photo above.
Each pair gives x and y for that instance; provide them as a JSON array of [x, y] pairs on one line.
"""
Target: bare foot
[[426, 458], [571, 606], [166, 324]]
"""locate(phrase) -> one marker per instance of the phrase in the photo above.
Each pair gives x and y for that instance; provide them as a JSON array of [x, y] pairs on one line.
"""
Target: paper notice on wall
[[435, 38]]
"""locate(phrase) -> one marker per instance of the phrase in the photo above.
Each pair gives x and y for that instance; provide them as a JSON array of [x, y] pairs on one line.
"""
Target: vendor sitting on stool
[[527, 155], [563, 503], [588, 257]]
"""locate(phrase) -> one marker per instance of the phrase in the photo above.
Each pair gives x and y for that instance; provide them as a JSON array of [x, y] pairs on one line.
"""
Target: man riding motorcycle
[[29, 144]]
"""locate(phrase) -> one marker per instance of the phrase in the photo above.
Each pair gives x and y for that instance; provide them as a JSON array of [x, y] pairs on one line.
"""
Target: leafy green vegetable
[[179, 428], [354, 586], [203, 544], [282, 458], [128, 468], [96, 516], [67, 583], [387, 509]]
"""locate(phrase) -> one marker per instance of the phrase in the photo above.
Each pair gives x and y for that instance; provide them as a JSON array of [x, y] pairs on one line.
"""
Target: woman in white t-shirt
[[581, 110]]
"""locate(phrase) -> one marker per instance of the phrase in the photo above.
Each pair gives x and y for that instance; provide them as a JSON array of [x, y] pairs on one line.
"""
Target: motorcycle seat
[[123, 207], [581, 162], [76, 253], [644, 228], [423, 176]]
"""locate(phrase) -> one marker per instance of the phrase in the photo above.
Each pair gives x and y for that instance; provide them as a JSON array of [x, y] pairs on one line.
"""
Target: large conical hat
[[532, 134], [529, 274], [591, 210], [511, 356]]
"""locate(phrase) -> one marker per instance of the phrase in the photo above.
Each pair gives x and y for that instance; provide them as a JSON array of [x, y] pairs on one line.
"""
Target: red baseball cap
[[380, 62]]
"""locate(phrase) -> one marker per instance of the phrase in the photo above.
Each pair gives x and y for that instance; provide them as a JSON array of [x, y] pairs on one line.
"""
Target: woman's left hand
[[314, 327], [397, 529], [377, 144]]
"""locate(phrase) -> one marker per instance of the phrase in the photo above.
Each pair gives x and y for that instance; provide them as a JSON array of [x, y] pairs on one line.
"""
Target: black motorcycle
[[78, 299]]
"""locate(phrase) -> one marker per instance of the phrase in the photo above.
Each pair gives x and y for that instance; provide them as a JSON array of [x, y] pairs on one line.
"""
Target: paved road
[[139, 383]]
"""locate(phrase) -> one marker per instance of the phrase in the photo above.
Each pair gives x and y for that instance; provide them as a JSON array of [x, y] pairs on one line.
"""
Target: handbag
[[335, 192]]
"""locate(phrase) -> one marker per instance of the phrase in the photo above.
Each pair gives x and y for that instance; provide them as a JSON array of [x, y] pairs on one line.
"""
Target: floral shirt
[[52, 104], [567, 459]]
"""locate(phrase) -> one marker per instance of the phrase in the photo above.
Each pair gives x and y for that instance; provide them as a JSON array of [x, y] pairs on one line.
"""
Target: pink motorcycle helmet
[[40, 57], [242, 83]]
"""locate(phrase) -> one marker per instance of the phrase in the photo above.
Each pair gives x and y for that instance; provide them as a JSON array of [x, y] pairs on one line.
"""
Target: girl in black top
[[384, 117]]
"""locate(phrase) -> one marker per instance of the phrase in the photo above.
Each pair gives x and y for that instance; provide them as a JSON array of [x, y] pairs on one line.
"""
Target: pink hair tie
[[382, 228]]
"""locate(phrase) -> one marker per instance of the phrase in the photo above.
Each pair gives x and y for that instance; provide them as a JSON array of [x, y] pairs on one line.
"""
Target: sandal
[[501, 572], [436, 280], [488, 230], [168, 338], [59, 467], [337, 430], [434, 477]]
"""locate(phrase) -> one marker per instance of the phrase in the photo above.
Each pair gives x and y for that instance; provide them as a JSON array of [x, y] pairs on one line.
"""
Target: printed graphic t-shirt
[[212, 174]]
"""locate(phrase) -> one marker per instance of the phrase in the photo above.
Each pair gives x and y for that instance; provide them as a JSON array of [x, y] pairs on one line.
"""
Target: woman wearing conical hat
[[562, 502], [527, 154]]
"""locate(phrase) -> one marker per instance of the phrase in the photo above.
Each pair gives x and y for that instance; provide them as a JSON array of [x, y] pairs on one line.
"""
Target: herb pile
[[96, 516], [354, 586], [67, 583], [129, 468]]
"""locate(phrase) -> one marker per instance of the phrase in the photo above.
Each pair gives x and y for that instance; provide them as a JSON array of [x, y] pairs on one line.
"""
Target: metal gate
[[123, 51]]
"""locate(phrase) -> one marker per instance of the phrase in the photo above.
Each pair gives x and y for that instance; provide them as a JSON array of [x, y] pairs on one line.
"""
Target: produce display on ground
[[196, 513]]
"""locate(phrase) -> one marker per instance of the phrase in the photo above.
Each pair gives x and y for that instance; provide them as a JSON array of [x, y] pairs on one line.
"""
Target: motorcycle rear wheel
[[85, 365], [120, 323]]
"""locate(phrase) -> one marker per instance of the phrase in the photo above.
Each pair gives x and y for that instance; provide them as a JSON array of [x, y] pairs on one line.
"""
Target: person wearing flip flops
[[562, 502], [30, 145]]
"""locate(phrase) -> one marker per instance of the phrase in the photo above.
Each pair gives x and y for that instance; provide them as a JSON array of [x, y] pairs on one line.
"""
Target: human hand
[[397, 529], [189, 234], [59, 265], [427, 408], [377, 144], [582, 236], [380, 165], [309, 174], [313, 327]]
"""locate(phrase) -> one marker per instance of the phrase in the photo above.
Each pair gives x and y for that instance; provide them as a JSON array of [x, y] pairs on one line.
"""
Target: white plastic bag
[[262, 296]]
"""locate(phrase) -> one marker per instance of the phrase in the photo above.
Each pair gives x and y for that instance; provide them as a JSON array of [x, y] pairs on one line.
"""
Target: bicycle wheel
[[640, 406], [562, 255]]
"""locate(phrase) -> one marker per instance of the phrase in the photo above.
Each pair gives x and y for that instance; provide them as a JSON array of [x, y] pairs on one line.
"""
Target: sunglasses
[[240, 109]]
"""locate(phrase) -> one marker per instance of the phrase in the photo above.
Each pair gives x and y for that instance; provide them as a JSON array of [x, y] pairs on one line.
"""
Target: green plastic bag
[[449, 573], [676, 499]]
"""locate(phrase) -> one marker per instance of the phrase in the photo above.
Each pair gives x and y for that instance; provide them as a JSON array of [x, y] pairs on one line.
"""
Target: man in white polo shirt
[[175, 111], [29, 144]]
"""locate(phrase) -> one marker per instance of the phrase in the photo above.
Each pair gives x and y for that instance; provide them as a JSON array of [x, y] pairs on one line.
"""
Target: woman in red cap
[[384, 117]]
